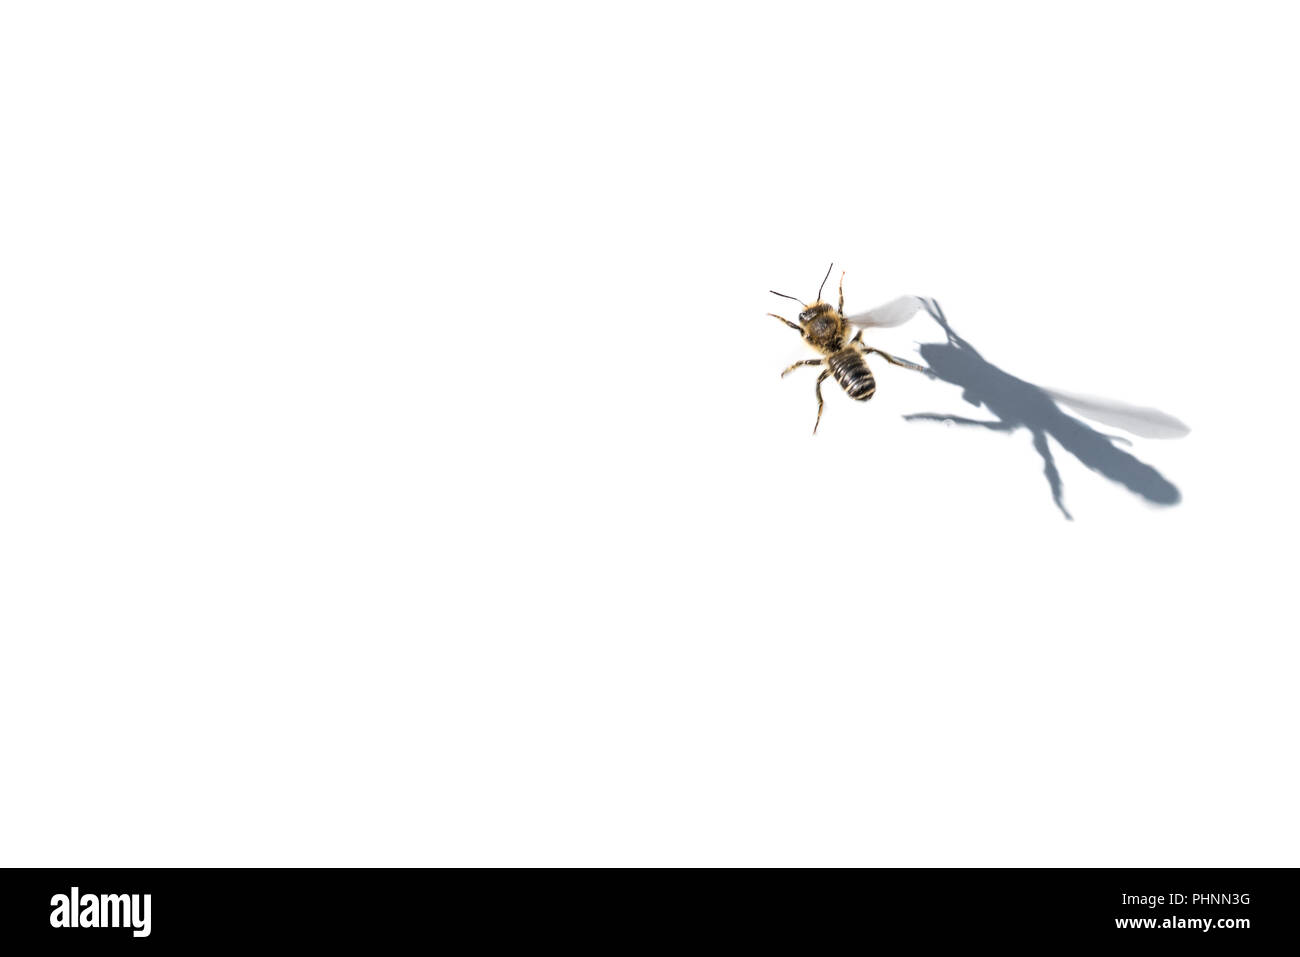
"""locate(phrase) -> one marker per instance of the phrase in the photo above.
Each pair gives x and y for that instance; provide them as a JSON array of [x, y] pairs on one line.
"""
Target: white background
[[395, 468]]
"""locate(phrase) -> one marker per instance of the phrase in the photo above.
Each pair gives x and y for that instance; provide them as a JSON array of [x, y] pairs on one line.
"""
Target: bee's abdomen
[[851, 372]]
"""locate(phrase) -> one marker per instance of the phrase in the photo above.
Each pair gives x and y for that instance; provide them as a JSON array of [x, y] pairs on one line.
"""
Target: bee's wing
[[1144, 422], [893, 313]]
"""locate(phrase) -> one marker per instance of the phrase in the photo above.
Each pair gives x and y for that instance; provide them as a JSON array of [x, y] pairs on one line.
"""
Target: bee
[[826, 329]]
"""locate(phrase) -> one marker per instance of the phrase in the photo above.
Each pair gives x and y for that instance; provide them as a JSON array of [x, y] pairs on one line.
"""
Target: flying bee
[[826, 329]]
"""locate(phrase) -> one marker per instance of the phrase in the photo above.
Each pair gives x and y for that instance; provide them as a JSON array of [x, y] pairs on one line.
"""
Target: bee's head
[[818, 309], [819, 320]]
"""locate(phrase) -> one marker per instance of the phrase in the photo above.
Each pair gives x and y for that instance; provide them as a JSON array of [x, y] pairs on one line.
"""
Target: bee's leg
[[856, 340], [842, 295], [793, 325], [867, 350], [820, 402], [806, 362]]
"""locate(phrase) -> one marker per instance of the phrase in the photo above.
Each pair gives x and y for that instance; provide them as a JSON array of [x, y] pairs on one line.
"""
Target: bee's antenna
[[824, 278], [784, 296]]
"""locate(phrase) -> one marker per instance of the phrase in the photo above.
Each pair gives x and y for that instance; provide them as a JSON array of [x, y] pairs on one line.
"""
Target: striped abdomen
[[851, 372]]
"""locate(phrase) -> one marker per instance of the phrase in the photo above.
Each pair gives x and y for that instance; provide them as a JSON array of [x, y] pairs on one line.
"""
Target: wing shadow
[[1017, 404]]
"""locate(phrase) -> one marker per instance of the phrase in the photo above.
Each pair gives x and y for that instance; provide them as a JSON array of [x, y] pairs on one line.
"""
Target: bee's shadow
[[1017, 404]]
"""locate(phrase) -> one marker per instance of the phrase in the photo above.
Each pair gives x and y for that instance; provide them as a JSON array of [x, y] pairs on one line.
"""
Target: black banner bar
[[362, 908]]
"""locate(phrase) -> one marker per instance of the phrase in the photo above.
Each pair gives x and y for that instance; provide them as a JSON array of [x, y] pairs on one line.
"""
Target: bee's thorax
[[823, 327]]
